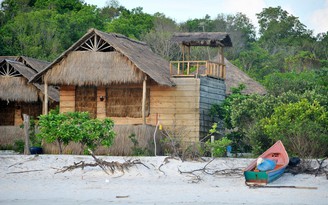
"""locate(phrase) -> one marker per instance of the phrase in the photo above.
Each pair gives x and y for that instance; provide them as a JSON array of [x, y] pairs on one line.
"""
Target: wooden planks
[[177, 107], [67, 99], [101, 102]]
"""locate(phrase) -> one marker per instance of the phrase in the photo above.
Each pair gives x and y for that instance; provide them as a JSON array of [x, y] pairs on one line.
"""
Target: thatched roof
[[212, 39], [33, 63], [128, 61], [17, 88], [235, 77], [8, 58]]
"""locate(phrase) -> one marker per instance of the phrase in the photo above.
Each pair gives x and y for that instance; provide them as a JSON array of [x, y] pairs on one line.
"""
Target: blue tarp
[[266, 165]]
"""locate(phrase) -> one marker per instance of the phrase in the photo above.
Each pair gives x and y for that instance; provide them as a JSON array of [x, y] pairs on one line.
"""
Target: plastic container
[[36, 150]]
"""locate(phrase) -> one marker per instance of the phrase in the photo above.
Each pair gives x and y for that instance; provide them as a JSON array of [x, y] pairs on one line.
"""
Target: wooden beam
[[45, 98], [144, 100], [27, 134]]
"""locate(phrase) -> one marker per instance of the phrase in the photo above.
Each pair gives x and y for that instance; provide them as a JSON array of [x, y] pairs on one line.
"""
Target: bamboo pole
[[45, 98], [222, 70], [144, 100]]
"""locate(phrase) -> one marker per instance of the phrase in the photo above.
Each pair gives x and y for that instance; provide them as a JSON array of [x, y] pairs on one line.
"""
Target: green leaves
[[76, 127], [302, 126], [218, 147]]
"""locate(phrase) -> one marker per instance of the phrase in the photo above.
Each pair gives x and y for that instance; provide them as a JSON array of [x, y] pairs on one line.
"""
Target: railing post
[[178, 67], [170, 69], [188, 67]]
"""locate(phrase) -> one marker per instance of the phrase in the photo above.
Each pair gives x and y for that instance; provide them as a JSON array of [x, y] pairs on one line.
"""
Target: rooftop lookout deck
[[195, 68]]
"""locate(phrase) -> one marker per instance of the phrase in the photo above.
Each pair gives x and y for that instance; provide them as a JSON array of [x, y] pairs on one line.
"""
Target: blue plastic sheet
[[266, 165]]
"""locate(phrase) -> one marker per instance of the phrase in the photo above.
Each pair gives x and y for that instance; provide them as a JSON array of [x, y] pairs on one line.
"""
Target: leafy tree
[[223, 112], [132, 23], [279, 28], [301, 61], [159, 38], [46, 33], [59, 5], [302, 126], [111, 11], [279, 83], [76, 127]]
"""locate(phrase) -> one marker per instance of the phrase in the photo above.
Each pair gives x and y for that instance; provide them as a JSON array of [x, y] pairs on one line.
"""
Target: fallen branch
[[306, 169], [104, 165], [36, 170], [225, 172], [279, 187], [166, 160]]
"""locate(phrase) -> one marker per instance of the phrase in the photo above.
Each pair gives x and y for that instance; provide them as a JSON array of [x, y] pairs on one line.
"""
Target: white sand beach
[[33, 180]]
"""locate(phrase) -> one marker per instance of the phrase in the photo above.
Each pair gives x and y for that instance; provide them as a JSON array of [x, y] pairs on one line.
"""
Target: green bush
[[76, 127], [302, 126], [218, 147]]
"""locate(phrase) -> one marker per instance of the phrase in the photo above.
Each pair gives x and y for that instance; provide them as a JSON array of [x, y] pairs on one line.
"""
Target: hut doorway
[[7, 113], [86, 100]]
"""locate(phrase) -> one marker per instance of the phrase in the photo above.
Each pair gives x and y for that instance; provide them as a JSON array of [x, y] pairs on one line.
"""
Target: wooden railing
[[195, 68]]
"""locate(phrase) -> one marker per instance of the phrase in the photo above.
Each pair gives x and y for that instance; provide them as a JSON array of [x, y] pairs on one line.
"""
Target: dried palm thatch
[[94, 68], [130, 59], [17, 89], [212, 39], [33, 63], [8, 58], [235, 77], [16, 84]]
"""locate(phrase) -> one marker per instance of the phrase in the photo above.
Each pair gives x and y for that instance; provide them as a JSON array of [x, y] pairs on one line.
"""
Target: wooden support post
[[188, 53], [222, 66], [45, 98], [144, 88], [27, 134]]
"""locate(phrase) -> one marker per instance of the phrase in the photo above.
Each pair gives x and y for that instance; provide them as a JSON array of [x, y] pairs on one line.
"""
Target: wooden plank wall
[[211, 91], [101, 104], [67, 99], [177, 108]]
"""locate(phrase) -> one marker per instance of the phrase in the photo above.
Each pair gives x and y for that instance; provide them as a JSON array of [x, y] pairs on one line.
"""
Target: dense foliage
[[64, 128], [286, 57]]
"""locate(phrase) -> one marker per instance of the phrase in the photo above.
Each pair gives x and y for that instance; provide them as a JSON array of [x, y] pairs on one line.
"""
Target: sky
[[312, 13]]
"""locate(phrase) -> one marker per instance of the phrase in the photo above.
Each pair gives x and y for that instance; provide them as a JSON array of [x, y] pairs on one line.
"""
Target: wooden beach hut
[[18, 96], [110, 75]]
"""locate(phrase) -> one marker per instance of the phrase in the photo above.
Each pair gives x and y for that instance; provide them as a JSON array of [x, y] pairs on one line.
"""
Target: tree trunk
[[60, 146]]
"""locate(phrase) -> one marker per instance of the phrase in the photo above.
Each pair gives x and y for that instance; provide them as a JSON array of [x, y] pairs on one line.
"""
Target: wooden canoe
[[277, 153]]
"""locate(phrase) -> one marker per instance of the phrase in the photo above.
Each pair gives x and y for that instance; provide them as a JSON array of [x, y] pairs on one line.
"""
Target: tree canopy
[[285, 57]]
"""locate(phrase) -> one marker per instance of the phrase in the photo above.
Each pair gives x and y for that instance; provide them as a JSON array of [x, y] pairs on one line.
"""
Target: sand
[[33, 180]]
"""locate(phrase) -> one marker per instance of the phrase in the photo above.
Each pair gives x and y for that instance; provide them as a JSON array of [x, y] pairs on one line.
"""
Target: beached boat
[[276, 153]]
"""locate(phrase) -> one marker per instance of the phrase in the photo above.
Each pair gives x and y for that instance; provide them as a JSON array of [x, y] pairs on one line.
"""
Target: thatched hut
[[17, 95], [110, 75]]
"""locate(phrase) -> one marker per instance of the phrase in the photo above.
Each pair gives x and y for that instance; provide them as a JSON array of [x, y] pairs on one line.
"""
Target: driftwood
[[204, 170], [20, 172], [104, 165], [306, 169], [280, 187]]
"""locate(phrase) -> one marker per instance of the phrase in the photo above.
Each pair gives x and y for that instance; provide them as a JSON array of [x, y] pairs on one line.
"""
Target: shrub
[[76, 127], [218, 147], [302, 127]]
